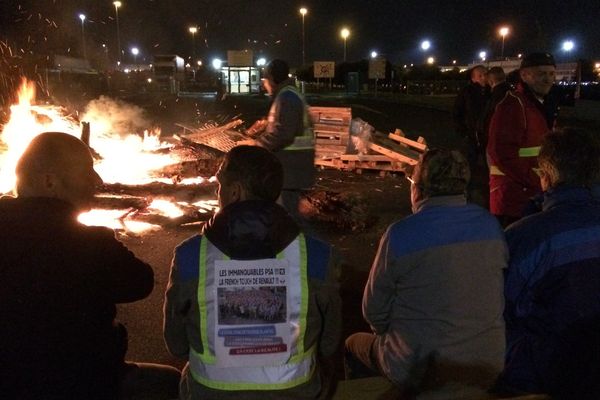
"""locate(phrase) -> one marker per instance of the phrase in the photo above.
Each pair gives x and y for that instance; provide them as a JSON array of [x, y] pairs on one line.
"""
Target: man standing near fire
[[61, 281], [517, 128], [252, 253], [288, 133]]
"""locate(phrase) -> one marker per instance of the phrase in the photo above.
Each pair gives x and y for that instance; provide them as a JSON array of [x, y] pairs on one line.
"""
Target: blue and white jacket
[[552, 290]]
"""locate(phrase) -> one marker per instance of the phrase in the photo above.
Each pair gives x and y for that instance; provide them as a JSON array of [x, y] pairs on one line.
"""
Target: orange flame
[[129, 159]]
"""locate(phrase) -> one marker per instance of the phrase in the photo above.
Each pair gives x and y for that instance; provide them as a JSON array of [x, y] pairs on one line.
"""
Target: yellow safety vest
[[306, 141], [205, 366]]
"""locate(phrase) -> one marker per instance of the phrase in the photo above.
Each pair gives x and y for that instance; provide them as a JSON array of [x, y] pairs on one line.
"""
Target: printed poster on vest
[[254, 326]]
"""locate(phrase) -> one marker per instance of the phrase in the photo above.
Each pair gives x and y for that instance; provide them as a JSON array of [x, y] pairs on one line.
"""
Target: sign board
[[324, 69], [240, 58], [377, 68]]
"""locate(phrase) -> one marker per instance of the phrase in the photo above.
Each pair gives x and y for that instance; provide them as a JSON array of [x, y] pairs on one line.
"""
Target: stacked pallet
[[392, 153], [331, 126]]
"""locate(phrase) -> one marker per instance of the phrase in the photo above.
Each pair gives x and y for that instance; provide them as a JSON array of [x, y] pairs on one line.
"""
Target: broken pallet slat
[[411, 143], [392, 154]]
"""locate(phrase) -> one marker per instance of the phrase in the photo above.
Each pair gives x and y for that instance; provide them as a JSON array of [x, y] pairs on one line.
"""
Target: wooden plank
[[412, 143], [365, 157], [392, 154]]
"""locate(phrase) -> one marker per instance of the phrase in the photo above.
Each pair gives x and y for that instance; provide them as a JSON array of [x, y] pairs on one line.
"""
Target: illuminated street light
[[482, 55], [135, 51], [568, 46], [430, 60], [217, 63], [118, 4], [425, 45], [344, 33], [303, 12], [199, 62], [503, 31], [193, 30], [453, 62], [261, 62], [373, 54], [82, 18]]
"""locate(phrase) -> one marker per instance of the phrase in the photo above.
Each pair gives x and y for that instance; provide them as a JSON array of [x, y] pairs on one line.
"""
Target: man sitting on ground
[[252, 302], [60, 283], [434, 293], [553, 280]]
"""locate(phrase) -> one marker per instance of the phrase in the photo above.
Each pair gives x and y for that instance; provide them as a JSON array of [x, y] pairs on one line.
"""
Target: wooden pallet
[[331, 126], [358, 163]]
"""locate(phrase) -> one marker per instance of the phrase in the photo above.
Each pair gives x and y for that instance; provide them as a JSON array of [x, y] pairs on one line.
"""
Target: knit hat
[[278, 70], [537, 59]]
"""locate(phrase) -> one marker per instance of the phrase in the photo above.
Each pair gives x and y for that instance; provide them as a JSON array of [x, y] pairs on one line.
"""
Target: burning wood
[[149, 181]]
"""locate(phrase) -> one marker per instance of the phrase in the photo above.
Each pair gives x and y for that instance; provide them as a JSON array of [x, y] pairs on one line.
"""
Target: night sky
[[272, 28]]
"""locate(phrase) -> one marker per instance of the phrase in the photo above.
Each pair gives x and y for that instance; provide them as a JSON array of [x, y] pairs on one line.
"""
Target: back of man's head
[[57, 165], [277, 70], [258, 171], [569, 157], [442, 172], [496, 75]]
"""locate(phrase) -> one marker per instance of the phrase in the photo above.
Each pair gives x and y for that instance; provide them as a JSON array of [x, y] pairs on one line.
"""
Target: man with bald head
[[61, 281]]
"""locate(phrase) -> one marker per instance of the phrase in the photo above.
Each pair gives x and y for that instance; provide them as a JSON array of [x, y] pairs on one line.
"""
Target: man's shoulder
[[511, 100]]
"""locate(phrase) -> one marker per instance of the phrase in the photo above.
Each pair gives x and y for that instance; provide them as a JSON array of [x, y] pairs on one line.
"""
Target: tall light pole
[[193, 30], [344, 33], [303, 12], [82, 18], [503, 32], [135, 51], [118, 4]]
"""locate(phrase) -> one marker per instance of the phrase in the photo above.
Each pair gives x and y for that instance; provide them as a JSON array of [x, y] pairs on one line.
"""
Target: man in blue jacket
[[434, 294], [553, 281], [252, 303]]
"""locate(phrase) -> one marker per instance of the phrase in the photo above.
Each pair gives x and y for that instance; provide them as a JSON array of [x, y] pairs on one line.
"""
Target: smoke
[[111, 116]]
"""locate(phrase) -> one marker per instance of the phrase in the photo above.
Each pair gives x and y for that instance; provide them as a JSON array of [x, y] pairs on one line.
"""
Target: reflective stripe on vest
[[529, 151], [298, 369], [524, 152], [306, 141]]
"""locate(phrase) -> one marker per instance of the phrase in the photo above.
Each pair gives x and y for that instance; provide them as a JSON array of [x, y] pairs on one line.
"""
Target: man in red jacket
[[517, 127]]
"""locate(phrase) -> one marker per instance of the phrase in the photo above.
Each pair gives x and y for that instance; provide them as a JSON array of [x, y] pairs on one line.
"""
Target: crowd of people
[[264, 305], [452, 297]]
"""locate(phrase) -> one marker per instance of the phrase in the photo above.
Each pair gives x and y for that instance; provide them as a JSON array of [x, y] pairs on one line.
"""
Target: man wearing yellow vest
[[252, 303], [288, 133]]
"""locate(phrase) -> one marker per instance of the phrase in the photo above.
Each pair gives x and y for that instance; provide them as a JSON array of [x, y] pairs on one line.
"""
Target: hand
[[257, 127]]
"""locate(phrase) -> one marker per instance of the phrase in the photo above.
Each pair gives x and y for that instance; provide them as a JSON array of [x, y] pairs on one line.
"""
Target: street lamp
[[503, 32], [82, 18], [193, 30], [568, 46], [217, 63], [425, 45], [261, 62], [118, 4], [482, 55], [303, 12], [373, 54], [344, 33], [135, 51], [430, 60]]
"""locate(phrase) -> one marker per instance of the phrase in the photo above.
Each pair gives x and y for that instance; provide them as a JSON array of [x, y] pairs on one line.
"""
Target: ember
[[145, 187]]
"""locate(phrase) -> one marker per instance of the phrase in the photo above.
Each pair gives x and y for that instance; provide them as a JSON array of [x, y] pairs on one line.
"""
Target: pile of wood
[[391, 153]]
